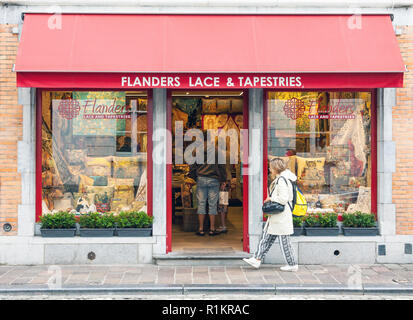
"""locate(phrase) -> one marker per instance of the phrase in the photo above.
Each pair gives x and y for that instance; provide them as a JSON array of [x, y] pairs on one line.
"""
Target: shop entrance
[[222, 115]]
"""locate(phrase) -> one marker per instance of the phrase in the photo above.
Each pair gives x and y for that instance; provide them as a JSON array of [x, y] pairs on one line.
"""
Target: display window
[[94, 147], [325, 137]]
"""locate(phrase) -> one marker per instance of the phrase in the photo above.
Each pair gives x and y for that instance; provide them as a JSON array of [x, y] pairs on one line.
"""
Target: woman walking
[[279, 225]]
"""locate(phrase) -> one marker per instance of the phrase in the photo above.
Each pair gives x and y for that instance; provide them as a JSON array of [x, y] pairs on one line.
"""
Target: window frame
[[373, 132], [149, 165]]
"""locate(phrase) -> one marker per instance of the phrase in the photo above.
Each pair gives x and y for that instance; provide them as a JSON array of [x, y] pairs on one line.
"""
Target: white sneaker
[[253, 262], [289, 268]]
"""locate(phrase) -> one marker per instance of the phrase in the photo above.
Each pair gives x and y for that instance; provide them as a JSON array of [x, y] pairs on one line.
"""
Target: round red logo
[[294, 108], [69, 109]]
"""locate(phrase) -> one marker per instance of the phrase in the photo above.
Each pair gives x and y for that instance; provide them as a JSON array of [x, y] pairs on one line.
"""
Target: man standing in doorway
[[208, 177]]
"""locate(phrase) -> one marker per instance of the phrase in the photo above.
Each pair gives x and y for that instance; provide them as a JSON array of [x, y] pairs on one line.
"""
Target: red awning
[[207, 44]]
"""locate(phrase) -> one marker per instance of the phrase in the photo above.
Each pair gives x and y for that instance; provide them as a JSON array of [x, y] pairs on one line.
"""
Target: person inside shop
[[126, 147], [208, 177], [321, 144], [280, 225]]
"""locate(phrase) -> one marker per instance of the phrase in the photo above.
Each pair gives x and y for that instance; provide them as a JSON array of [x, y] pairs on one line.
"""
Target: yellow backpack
[[299, 204]]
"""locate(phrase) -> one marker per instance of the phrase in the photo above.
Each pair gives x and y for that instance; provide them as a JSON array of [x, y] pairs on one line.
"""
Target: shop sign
[[336, 109], [92, 109], [213, 81]]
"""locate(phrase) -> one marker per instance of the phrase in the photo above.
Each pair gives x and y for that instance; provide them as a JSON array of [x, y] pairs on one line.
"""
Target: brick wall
[[403, 137], [11, 118]]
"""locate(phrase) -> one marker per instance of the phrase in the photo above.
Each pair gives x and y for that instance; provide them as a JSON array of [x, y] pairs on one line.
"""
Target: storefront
[[117, 94]]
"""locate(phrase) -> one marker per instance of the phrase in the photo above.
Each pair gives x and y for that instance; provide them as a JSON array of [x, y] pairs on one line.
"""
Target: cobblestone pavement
[[107, 275]]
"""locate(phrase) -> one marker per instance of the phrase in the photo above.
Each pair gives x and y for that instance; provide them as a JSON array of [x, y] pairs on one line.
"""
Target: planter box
[[356, 232], [97, 232], [134, 232], [298, 231], [58, 233], [318, 231]]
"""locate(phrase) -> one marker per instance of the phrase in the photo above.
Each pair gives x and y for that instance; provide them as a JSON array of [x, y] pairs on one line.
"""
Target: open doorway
[[224, 114]]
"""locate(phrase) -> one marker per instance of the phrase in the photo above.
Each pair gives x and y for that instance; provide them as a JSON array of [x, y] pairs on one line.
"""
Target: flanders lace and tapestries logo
[[69, 109], [294, 108]]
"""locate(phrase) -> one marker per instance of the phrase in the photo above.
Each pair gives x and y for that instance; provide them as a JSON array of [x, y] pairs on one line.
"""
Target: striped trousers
[[267, 240]]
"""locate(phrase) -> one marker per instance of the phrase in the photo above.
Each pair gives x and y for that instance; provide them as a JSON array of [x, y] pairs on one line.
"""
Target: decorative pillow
[[124, 196], [98, 166], [306, 163], [138, 205], [221, 120], [209, 121], [127, 167], [118, 204], [178, 115], [84, 181], [209, 105], [310, 172], [142, 123], [237, 105], [239, 120], [142, 104], [102, 194], [231, 125], [121, 184], [223, 105]]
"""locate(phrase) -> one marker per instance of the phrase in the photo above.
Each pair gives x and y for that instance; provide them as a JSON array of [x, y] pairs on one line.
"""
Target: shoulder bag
[[272, 207]]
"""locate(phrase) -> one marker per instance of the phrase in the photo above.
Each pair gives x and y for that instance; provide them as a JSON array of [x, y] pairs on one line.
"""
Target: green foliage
[[58, 220], [322, 220], [97, 220], [134, 219], [359, 220], [297, 222], [311, 220]]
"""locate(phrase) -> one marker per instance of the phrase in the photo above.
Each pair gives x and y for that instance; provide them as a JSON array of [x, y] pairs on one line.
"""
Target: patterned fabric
[[267, 240], [209, 105]]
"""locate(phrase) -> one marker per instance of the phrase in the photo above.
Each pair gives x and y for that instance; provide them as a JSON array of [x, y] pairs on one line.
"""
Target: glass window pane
[[94, 147], [325, 138]]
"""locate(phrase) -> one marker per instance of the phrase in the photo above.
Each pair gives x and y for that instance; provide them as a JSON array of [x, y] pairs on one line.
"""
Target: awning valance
[[101, 51]]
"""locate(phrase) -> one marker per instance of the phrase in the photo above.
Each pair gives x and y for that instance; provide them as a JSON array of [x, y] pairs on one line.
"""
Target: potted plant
[[359, 224], [321, 224], [298, 226], [133, 224], [97, 224], [59, 224]]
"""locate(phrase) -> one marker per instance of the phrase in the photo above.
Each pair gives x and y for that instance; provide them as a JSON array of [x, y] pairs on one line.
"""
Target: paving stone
[[96, 277], [369, 272], [273, 279], [308, 279], [237, 280], [21, 281], [200, 269], [290, 277], [394, 266], [380, 269], [341, 277], [316, 268], [325, 278], [113, 278], [183, 270]]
